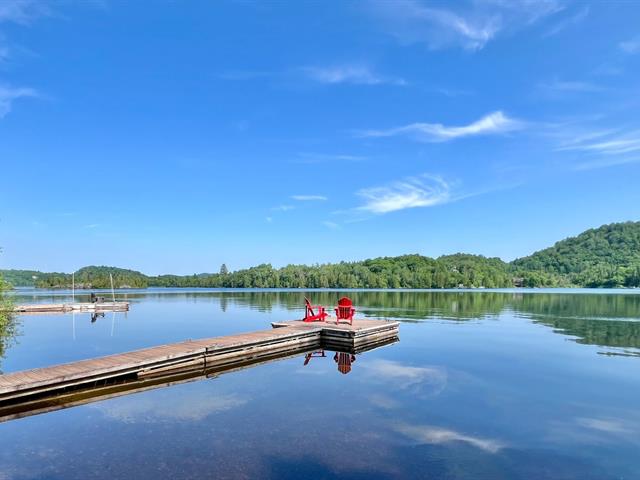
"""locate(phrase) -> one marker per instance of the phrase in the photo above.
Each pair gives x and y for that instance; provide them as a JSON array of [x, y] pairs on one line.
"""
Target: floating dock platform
[[72, 307], [51, 388]]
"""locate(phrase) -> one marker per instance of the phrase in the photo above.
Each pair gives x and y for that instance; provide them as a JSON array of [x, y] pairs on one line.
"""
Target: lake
[[520, 384]]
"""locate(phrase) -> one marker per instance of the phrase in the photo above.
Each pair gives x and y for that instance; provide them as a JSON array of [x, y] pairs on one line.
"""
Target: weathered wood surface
[[208, 352], [160, 379], [72, 307]]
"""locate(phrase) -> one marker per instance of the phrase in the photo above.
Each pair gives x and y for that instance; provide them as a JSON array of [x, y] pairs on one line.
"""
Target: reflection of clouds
[[406, 376], [134, 409], [436, 435], [383, 401], [606, 425], [595, 430]]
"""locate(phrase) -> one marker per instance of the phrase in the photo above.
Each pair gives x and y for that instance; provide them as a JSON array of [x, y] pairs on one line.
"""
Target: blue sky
[[175, 136]]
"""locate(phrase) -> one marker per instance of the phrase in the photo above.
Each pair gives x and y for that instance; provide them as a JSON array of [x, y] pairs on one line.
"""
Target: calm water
[[481, 385]]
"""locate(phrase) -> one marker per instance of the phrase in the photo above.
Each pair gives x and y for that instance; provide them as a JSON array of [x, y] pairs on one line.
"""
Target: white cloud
[[606, 425], [22, 11], [494, 123], [175, 407], [4, 52], [422, 191], [283, 208], [631, 46], [435, 435], [312, 157], [562, 87], [603, 148], [596, 430], [351, 73], [331, 225], [606, 144], [407, 376], [309, 198], [604, 162], [574, 19], [470, 25], [10, 94], [383, 401], [245, 74]]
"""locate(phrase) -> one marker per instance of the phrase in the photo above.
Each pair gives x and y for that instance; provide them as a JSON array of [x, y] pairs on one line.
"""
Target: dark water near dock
[[489, 384]]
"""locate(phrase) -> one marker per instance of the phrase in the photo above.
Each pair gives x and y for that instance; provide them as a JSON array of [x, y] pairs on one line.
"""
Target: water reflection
[[125, 385], [609, 320], [9, 331], [344, 360], [496, 385]]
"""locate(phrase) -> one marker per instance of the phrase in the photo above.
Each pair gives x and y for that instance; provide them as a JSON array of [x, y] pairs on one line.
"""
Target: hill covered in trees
[[608, 256]]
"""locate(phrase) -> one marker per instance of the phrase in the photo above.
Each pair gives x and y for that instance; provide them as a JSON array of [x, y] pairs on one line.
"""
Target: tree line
[[608, 256]]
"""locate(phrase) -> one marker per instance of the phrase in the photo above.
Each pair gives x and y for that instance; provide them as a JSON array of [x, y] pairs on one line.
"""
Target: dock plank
[[231, 348]]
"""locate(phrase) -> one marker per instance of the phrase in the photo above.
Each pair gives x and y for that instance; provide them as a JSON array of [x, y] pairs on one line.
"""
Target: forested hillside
[[608, 256]]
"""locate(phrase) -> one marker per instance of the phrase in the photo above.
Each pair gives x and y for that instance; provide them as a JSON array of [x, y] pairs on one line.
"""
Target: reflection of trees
[[8, 331], [598, 319], [594, 318], [406, 305]]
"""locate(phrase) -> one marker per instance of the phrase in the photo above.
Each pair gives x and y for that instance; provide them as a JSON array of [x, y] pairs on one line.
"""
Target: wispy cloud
[[405, 376], [491, 124], [604, 148], [22, 12], [562, 87], [413, 192], [244, 74], [313, 157], [631, 46], [568, 21], [350, 74], [336, 74], [176, 407], [331, 225], [596, 430], [608, 69], [4, 51], [606, 425], [607, 142], [283, 208], [8, 95], [309, 198], [605, 162], [470, 25], [434, 435]]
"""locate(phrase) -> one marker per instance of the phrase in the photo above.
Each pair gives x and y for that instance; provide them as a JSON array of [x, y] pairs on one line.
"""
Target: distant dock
[[43, 389], [72, 307]]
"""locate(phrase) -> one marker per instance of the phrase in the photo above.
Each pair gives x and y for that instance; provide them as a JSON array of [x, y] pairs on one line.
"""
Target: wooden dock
[[36, 308], [43, 389]]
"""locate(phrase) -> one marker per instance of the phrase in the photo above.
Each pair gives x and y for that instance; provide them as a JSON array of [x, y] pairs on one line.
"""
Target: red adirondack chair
[[310, 314], [345, 310]]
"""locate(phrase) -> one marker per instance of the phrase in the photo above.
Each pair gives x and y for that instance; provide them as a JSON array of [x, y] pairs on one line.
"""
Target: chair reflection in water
[[310, 355], [344, 361]]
